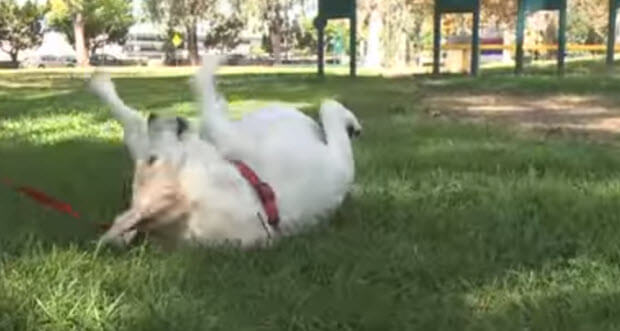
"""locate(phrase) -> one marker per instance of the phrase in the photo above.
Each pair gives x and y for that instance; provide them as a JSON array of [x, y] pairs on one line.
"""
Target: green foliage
[[106, 21], [276, 23], [225, 33], [305, 35], [180, 12], [20, 26], [587, 21], [185, 15]]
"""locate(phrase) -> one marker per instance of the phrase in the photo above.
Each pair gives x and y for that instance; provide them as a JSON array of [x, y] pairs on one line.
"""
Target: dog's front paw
[[120, 241]]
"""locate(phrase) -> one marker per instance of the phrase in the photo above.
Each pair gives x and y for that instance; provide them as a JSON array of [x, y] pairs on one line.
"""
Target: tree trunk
[[93, 49], [81, 50], [170, 50], [373, 46], [276, 44], [14, 55], [407, 50], [550, 33], [192, 44]]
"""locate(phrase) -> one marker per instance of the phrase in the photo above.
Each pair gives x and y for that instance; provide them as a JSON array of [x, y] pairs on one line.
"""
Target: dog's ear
[[151, 118], [182, 126]]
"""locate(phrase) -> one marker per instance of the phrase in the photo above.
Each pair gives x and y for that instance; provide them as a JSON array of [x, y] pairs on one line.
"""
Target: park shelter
[[457, 6], [611, 37], [530, 6], [525, 7], [334, 9]]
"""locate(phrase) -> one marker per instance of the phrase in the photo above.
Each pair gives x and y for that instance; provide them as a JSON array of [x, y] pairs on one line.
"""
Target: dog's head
[[157, 191], [166, 137]]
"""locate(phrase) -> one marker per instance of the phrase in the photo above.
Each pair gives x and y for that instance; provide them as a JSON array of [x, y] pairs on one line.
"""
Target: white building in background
[[55, 43]]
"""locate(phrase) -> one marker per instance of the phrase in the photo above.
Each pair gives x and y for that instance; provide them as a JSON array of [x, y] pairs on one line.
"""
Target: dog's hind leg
[[134, 125], [215, 125]]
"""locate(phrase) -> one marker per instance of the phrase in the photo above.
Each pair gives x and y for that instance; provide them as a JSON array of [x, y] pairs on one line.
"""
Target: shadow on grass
[[89, 175]]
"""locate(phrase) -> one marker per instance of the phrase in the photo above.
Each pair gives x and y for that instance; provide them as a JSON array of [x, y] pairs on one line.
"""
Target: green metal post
[[611, 34], [321, 48], [562, 38], [436, 39], [519, 40], [475, 41], [353, 55]]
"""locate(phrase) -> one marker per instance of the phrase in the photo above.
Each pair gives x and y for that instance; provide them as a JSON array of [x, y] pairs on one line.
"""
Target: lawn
[[451, 225]]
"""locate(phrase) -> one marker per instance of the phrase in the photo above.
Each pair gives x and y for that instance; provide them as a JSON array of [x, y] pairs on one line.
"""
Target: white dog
[[191, 187]]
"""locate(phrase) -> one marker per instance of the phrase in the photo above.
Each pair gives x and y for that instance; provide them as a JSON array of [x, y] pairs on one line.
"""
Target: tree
[[306, 39], [186, 14], [225, 33], [374, 16], [20, 27], [276, 22], [587, 21], [390, 27], [499, 13], [90, 24], [305, 35]]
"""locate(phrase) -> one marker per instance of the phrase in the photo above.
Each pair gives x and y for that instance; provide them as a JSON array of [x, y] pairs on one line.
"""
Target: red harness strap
[[265, 193]]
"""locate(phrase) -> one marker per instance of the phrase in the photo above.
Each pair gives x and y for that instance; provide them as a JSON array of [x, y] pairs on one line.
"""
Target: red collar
[[265, 193]]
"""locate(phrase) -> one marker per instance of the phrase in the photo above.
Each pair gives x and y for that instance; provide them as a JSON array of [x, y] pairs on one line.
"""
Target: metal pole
[[475, 41], [436, 39], [611, 33], [562, 38], [321, 47], [519, 40], [353, 41]]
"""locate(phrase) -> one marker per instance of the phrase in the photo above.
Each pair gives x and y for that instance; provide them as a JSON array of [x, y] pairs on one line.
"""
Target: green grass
[[450, 226]]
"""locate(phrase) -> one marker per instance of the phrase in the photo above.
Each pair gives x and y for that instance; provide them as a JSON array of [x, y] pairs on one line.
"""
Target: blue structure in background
[[530, 6], [330, 9], [457, 6]]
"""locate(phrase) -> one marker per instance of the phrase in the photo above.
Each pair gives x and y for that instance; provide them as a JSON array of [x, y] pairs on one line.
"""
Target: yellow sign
[[177, 40]]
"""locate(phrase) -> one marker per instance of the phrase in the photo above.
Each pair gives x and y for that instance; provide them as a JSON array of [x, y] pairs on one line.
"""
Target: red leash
[[43, 199]]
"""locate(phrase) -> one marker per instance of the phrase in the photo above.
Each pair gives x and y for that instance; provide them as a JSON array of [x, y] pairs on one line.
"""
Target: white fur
[[310, 169]]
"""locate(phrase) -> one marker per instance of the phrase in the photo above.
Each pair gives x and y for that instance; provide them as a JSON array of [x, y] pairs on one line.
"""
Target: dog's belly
[[264, 121], [289, 152], [309, 181]]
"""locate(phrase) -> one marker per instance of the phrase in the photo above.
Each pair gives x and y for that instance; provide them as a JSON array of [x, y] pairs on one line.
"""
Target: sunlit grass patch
[[53, 129]]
